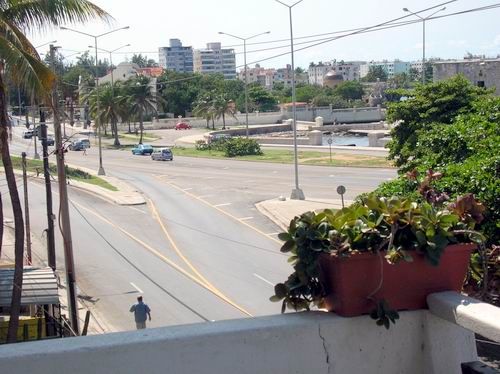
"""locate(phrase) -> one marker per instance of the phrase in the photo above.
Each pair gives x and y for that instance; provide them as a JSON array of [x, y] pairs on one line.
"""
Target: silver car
[[164, 154]]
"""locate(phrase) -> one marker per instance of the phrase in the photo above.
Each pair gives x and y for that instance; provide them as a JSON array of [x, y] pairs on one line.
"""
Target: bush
[[241, 147], [201, 145]]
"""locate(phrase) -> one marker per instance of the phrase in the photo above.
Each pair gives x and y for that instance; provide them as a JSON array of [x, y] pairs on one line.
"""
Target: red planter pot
[[349, 281]]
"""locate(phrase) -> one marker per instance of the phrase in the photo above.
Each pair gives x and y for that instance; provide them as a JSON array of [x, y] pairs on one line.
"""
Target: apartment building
[[390, 67], [285, 75], [350, 71], [215, 60], [176, 57]]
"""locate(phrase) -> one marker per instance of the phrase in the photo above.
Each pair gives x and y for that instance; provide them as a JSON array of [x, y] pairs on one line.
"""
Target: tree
[[222, 105], [401, 80], [111, 107], [261, 99], [142, 97], [350, 90], [376, 72], [143, 61], [20, 61], [203, 107], [306, 92], [427, 105]]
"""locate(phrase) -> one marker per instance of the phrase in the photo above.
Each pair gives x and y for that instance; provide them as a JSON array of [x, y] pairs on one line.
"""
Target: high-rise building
[[176, 57], [215, 60]]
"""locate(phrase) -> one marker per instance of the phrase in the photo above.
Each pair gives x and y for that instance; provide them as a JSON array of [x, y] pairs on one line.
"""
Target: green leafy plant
[[241, 147], [398, 228]]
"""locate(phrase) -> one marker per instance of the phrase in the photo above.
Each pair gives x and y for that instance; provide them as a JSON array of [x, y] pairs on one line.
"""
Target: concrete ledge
[[311, 342], [472, 314]]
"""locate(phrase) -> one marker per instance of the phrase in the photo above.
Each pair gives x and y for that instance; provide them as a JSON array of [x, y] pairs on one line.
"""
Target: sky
[[197, 22]]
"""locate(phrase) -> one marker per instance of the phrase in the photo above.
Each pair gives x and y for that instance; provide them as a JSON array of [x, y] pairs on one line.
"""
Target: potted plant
[[380, 254]]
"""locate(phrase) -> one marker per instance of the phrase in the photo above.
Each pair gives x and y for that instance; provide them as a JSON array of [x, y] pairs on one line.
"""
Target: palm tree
[[110, 108], [20, 61], [143, 100], [203, 107], [222, 106]]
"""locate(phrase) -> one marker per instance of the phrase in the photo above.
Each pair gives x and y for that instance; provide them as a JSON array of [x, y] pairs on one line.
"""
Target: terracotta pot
[[349, 281]]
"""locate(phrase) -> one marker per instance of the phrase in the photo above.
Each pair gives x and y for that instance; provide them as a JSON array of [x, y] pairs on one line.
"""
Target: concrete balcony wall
[[354, 115], [293, 343]]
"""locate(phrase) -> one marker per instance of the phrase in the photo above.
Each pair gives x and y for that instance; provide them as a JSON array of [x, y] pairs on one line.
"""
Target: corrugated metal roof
[[39, 287]]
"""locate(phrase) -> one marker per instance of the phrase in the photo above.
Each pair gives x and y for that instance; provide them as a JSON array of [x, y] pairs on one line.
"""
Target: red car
[[182, 126]]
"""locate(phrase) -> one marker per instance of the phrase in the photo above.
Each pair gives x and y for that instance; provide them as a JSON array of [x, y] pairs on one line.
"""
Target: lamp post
[[101, 169], [423, 35], [246, 73], [297, 193], [111, 61]]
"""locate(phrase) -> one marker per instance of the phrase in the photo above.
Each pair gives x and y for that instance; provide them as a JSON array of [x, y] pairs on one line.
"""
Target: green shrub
[[201, 145], [241, 147]]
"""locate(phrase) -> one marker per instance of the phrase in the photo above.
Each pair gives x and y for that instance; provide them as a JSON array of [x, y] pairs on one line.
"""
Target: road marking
[[163, 258], [331, 176], [263, 279], [245, 218], [224, 212], [137, 288], [140, 211], [273, 233], [219, 205], [190, 265], [187, 189]]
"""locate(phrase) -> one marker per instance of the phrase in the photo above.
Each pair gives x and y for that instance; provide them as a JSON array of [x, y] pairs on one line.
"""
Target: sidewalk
[[282, 212]]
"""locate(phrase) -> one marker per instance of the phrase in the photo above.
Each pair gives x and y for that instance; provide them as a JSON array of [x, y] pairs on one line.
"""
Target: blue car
[[142, 149]]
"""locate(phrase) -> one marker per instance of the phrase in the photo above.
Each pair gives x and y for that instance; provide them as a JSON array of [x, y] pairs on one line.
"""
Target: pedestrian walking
[[141, 312], [85, 151]]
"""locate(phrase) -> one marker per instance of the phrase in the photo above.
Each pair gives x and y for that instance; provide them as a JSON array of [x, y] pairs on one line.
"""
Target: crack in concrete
[[327, 354]]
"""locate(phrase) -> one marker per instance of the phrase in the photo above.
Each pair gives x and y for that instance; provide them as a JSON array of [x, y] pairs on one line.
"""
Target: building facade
[[215, 60], [390, 67], [348, 70], [480, 72], [176, 57]]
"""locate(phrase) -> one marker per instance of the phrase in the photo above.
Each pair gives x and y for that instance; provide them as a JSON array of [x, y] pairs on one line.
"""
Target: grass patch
[[36, 166], [286, 157]]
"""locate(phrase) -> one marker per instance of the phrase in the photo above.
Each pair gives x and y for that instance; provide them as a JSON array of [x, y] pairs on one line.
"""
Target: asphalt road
[[199, 250]]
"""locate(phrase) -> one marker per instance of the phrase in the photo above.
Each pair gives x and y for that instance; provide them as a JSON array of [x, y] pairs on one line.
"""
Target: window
[[480, 84]]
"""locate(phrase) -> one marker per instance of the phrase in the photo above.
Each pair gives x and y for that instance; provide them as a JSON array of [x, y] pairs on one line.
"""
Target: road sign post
[[330, 141], [341, 191]]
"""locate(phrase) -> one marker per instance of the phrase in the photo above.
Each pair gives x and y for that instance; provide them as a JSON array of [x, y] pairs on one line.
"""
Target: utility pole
[[26, 210], [64, 208], [37, 156], [51, 245]]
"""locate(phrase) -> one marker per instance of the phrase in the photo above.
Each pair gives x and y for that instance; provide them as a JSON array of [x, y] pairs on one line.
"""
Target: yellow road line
[[189, 264], [165, 259], [222, 211]]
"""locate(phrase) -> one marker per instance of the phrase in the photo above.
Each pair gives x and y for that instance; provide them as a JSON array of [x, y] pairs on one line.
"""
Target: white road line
[[263, 279], [219, 205], [273, 233], [187, 189], [140, 211], [245, 218], [137, 288]]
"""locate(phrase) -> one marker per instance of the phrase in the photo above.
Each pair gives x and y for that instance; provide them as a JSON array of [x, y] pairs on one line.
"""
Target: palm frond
[[44, 14]]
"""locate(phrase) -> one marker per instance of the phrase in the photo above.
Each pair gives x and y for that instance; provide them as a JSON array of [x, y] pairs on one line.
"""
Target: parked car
[[142, 149], [76, 146], [164, 154], [50, 140], [219, 137], [28, 134], [85, 141], [182, 126]]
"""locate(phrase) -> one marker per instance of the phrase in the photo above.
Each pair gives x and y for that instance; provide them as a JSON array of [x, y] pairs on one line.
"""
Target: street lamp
[[423, 35], [246, 73], [101, 169], [111, 61], [297, 193]]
